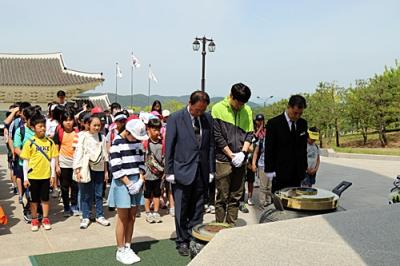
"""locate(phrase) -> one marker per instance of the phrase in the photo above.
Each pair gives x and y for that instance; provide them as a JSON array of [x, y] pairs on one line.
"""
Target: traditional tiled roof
[[41, 70]]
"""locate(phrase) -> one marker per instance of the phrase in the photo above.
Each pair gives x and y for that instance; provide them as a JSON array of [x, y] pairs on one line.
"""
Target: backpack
[[146, 143], [21, 127], [153, 164], [60, 133]]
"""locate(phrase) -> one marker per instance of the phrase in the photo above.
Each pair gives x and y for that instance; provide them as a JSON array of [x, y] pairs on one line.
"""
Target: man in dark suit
[[189, 164], [286, 146]]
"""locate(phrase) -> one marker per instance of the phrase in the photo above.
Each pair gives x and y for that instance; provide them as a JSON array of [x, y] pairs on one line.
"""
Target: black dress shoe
[[183, 249]]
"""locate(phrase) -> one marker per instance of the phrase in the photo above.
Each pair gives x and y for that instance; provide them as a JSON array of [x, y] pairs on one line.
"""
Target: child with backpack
[[38, 155], [91, 171], [22, 132], [154, 161], [66, 138], [127, 167]]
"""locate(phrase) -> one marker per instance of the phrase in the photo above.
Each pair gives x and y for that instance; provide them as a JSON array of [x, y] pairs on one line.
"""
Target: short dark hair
[[60, 93], [37, 108], [240, 92], [82, 115], [154, 123], [24, 105], [297, 100], [125, 112], [38, 119], [30, 112], [57, 112], [68, 114], [115, 106], [199, 96]]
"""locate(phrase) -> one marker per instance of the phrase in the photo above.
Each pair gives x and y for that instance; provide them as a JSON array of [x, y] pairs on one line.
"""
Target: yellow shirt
[[39, 166]]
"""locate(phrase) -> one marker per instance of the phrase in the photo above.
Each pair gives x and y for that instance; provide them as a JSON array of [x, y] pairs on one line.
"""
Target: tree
[[384, 95], [324, 108], [358, 109]]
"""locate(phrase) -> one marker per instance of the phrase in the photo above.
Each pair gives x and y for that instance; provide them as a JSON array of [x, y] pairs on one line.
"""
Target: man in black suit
[[189, 164], [286, 146]]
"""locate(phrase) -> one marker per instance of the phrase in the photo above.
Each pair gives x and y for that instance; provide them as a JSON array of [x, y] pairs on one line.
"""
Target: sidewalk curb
[[331, 153]]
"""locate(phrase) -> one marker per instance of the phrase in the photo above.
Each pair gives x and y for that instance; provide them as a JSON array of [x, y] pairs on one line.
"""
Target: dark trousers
[[66, 184], [229, 181], [280, 183], [210, 196], [189, 208]]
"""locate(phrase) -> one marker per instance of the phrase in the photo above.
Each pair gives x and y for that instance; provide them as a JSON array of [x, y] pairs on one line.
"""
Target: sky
[[277, 48]]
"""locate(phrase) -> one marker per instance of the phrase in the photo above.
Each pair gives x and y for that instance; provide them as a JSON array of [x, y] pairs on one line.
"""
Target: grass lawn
[[379, 151], [157, 252], [353, 143]]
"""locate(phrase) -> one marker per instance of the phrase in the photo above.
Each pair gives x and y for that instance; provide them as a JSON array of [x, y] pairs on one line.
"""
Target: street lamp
[[265, 100], [211, 49]]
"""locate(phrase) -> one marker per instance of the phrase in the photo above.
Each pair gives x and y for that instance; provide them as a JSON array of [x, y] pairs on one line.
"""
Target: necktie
[[293, 129], [197, 129]]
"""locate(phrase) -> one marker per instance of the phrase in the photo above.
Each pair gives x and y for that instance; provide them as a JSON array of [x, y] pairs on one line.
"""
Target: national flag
[[119, 72], [152, 76], [135, 61]]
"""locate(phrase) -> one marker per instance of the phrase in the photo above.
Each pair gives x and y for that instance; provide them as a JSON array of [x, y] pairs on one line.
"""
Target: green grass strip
[[155, 252]]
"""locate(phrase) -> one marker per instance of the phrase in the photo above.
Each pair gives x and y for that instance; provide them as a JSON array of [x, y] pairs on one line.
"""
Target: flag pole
[[148, 95], [116, 81], [132, 84]]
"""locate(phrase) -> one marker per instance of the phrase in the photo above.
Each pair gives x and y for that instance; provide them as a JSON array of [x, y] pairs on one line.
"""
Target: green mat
[[157, 252]]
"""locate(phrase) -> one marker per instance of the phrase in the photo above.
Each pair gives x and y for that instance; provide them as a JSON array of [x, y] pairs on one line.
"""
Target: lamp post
[[211, 49], [265, 100]]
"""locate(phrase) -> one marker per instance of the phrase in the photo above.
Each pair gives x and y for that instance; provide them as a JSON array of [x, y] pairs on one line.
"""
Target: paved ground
[[371, 179], [354, 237]]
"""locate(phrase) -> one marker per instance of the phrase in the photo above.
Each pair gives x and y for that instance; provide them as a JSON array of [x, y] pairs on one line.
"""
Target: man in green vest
[[233, 132]]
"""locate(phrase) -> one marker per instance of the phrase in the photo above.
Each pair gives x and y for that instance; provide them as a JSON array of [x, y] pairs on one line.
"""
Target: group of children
[[80, 152]]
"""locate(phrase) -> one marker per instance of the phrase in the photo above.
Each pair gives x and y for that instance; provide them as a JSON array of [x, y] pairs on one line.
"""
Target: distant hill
[[141, 99]]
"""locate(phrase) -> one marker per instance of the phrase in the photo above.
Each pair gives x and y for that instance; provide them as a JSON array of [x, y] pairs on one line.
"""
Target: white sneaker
[[132, 255], [150, 218], [124, 257], [172, 212], [250, 202], [103, 221], [84, 223], [212, 209], [157, 217]]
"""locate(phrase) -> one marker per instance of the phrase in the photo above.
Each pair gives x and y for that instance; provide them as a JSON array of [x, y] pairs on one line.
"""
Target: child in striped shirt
[[127, 167]]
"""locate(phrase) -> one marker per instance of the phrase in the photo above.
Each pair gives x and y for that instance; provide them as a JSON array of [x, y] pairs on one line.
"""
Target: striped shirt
[[126, 158]]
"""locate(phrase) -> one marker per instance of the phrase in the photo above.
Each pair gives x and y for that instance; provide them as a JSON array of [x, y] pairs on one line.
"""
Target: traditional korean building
[[36, 78]]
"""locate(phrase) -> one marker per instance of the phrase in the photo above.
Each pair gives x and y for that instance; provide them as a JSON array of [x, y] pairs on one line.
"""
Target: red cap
[[132, 117], [96, 110]]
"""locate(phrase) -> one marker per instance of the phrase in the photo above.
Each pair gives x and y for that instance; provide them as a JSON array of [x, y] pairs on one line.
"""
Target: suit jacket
[[284, 154], [183, 155]]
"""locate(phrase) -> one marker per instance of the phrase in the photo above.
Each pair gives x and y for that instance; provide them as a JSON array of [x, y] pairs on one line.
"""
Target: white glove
[[134, 188], [270, 175], [170, 178], [211, 176], [238, 159]]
